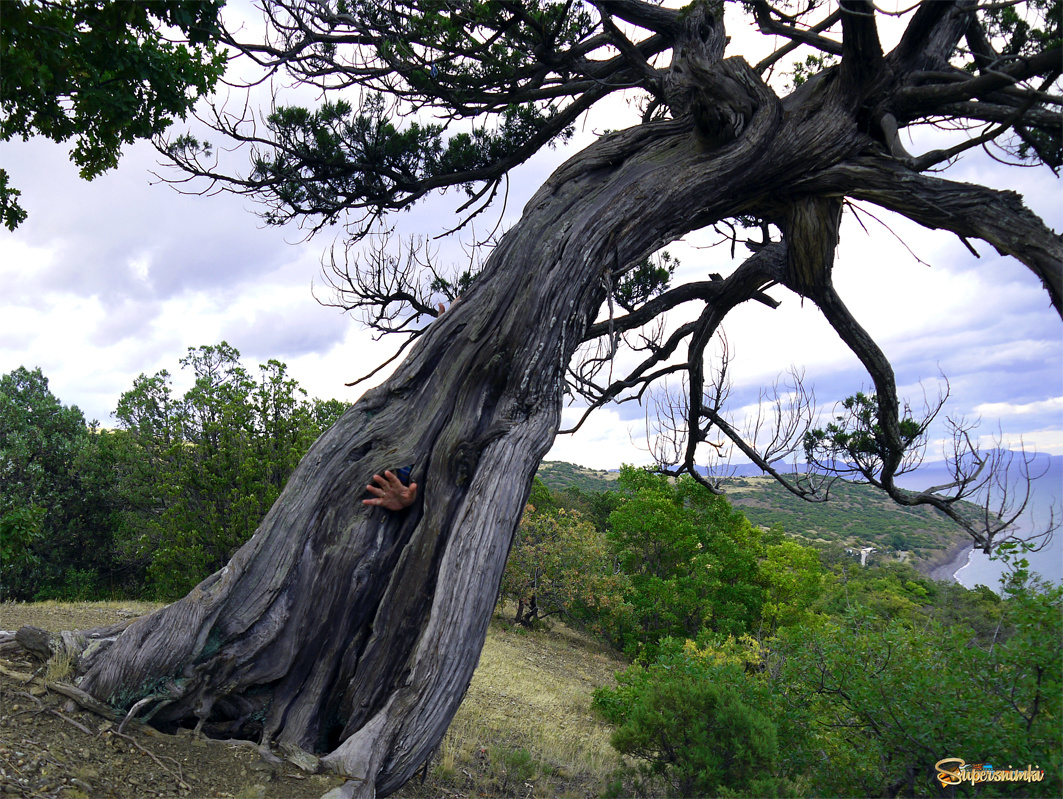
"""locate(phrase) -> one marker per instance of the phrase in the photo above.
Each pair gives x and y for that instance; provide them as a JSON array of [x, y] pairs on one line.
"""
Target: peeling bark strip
[[354, 632]]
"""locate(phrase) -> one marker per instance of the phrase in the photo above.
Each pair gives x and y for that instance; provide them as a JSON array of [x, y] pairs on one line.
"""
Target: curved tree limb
[[797, 40], [767, 23], [915, 101], [997, 217]]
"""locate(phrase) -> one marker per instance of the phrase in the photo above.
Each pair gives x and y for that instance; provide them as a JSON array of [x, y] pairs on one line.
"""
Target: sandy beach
[[951, 562]]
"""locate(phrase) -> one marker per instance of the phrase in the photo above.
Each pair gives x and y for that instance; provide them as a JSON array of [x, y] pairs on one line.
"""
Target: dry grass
[[59, 667], [122, 607], [56, 616], [526, 723]]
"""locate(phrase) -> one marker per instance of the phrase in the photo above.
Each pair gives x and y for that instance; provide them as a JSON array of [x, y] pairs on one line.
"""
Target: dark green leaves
[[650, 277], [202, 469], [1025, 29], [333, 159], [102, 74], [855, 441], [40, 488], [150, 509]]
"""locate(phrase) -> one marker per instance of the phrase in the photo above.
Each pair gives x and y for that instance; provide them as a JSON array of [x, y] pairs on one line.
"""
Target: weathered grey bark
[[354, 632]]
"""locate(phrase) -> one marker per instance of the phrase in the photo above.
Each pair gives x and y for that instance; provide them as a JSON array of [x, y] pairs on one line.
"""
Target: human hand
[[389, 492]]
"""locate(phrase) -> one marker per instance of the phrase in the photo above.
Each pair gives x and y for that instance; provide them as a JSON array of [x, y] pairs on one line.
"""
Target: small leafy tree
[[691, 561], [561, 565]]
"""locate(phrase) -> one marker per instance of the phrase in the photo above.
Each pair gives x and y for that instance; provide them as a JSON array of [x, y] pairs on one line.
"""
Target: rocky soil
[[49, 747]]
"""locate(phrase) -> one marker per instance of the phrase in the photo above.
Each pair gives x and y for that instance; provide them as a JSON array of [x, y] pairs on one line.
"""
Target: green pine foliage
[[694, 724], [850, 703], [204, 468]]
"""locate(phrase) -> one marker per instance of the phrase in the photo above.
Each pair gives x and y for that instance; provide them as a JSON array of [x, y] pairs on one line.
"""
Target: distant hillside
[[559, 475], [856, 515]]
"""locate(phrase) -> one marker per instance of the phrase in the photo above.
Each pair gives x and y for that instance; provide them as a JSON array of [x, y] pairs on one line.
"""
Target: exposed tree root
[[67, 690], [303, 760]]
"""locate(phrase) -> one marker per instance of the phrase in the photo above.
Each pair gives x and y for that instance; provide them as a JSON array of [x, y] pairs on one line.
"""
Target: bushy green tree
[[102, 73], [793, 580], [860, 705], [691, 561], [540, 499], [885, 701], [54, 506], [201, 470], [152, 508]]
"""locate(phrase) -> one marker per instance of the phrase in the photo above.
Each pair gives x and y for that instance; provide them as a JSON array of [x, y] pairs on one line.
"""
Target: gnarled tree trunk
[[354, 631]]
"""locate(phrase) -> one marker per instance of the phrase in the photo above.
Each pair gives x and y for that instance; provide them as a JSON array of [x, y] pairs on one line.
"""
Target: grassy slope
[[526, 727]]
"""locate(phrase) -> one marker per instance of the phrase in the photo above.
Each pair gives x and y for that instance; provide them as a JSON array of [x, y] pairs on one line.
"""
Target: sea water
[[1047, 562], [1045, 496]]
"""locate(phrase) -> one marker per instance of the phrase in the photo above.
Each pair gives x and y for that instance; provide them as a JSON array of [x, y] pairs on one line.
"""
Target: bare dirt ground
[[50, 747]]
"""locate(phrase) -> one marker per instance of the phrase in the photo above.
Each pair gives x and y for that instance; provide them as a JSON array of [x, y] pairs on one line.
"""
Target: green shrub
[[691, 563], [691, 721]]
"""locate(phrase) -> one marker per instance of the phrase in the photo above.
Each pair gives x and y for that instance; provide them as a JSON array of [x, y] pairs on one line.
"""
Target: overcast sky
[[110, 279]]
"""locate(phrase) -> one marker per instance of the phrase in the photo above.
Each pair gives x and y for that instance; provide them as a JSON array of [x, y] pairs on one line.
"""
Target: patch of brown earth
[[50, 747]]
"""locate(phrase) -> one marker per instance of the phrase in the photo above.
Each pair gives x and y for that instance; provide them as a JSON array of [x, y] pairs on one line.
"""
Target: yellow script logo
[[954, 770]]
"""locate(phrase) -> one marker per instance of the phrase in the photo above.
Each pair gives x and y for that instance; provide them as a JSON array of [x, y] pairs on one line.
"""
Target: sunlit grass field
[[526, 723]]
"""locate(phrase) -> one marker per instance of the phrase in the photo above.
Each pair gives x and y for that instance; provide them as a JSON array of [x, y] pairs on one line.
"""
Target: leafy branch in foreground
[[102, 74]]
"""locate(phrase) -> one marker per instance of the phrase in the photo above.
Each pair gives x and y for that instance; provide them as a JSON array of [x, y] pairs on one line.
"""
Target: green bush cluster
[[149, 509], [693, 727], [762, 668], [856, 705]]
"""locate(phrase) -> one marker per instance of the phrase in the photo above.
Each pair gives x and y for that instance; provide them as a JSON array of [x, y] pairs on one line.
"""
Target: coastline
[[945, 567]]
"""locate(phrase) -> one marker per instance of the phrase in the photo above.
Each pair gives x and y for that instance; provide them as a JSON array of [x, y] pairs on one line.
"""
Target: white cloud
[[1001, 409], [605, 441]]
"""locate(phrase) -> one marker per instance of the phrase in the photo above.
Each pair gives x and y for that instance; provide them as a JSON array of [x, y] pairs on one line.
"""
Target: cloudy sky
[[120, 276]]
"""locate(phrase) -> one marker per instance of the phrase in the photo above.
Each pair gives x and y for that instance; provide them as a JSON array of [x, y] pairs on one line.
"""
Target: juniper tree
[[353, 632]]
